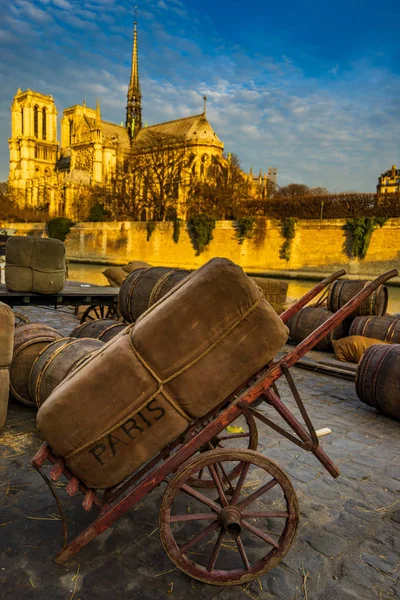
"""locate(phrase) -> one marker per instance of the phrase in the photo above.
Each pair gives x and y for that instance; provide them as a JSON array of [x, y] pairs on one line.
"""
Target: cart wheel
[[92, 313], [20, 319], [237, 536], [246, 435]]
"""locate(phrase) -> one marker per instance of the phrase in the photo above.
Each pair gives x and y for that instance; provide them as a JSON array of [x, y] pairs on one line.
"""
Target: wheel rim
[[94, 312], [236, 533], [229, 440]]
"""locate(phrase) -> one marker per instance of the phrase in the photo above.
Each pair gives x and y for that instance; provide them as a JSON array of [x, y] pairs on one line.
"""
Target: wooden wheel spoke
[[216, 551], [193, 517], [264, 536], [226, 477], [201, 497], [243, 553], [265, 514], [243, 475], [200, 536], [263, 490], [201, 473], [218, 484]]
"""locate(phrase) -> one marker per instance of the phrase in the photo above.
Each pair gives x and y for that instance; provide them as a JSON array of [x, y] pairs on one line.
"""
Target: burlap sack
[[135, 264], [115, 276], [6, 335], [6, 353], [35, 265], [185, 355], [352, 348], [274, 291]]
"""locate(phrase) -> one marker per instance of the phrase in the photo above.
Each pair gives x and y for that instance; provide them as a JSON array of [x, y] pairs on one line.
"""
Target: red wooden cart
[[228, 515]]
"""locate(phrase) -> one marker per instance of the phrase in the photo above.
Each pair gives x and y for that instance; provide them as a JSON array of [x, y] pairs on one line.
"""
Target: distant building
[[389, 182], [48, 176]]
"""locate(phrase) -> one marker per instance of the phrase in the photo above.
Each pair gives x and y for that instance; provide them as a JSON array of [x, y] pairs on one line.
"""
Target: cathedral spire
[[134, 104]]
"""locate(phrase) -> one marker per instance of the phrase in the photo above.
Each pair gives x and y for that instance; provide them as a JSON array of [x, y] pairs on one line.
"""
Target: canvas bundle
[[274, 291], [35, 265], [182, 358], [6, 352], [352, 348]]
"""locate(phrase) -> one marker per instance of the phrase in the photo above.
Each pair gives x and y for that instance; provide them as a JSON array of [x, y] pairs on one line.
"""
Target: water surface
[[297, 288]]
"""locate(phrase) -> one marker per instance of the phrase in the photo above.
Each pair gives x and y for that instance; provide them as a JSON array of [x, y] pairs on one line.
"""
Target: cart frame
[[115, 502]]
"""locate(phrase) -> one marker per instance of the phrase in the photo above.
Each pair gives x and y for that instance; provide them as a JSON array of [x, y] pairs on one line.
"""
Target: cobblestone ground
[[347, 547]]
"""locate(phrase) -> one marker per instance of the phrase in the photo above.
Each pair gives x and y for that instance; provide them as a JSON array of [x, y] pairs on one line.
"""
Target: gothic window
[[36, 152], [70, 132], [44, 124], [36, 121], [22, 120], [45, 153]]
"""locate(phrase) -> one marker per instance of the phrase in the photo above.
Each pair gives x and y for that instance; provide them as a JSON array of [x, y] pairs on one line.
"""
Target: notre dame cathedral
[[46, 174]]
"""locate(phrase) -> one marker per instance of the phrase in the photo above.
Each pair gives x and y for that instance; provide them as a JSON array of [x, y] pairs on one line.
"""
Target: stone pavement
[[347, 547]]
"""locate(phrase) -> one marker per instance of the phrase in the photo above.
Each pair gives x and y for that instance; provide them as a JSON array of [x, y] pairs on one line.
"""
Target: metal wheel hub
[[230, 519]]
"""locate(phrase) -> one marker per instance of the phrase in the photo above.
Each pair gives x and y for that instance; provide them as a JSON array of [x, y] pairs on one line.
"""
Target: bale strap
[[161, 383]]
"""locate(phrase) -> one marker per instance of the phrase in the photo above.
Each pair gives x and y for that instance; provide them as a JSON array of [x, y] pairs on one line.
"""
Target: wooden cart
[[228, 515], [101, 301]]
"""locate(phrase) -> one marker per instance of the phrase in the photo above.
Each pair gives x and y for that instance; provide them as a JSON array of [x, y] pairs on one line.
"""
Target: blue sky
[[311, 88]]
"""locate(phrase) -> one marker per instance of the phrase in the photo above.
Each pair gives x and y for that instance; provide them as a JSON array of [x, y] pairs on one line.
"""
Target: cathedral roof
[[115, 134], [192, 128]]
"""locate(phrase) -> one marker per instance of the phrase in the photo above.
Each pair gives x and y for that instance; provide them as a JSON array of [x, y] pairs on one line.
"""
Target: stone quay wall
[[319, 247]]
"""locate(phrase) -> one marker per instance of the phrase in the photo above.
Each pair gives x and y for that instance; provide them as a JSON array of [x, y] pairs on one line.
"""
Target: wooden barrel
[[29, 341], [386, 329], [144, 287], [378, 379], [100, 329], [342, 291], [306, 320], [55, 362]]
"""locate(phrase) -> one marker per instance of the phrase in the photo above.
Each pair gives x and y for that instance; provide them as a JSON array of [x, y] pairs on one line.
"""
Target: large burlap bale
[[274, 291], [189, 352], [6, 334], [115, 276], [135, 264], [6, 352], [352, 348], [35, 265]]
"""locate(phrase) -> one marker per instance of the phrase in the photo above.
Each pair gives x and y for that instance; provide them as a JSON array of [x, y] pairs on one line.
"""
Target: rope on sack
[[161, 383]]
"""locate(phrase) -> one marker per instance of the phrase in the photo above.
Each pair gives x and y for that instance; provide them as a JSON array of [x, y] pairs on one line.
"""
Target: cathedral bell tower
[[33, 144], [134, 100]]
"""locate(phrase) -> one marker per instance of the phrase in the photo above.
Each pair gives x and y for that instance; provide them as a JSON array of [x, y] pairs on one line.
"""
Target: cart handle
[[292, 310]]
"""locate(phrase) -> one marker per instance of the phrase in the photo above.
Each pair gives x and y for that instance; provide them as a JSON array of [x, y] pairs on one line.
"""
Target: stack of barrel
[[42, 358], [303, 323], [378, 373]]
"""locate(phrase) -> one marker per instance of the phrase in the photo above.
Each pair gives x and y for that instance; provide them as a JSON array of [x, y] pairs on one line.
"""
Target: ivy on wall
[[288, 231], [177, 230], [362, 229], [201, 229], [244, 229], [150, 228], [59, 228], [259, 232]]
